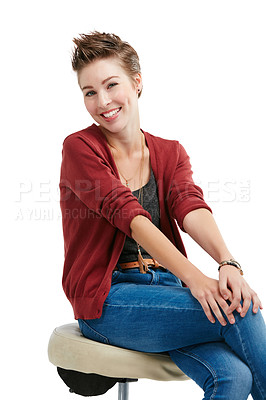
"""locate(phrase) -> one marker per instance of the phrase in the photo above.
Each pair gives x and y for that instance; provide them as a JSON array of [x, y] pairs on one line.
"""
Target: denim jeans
[[152, 312]]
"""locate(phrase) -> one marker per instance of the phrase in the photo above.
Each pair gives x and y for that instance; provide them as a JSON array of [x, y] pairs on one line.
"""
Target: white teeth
[[111, 113]]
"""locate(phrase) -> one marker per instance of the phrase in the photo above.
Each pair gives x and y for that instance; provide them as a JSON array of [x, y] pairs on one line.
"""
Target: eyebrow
[[103, 82]]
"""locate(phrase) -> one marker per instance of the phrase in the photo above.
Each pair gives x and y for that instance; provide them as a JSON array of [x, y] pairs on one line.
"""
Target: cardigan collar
[[103, 141]]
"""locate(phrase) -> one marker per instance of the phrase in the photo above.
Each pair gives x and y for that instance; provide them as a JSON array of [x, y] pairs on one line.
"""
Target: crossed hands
[[231, 287]]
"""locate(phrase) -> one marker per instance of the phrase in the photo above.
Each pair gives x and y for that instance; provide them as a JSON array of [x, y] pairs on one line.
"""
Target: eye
[[112, 85], [90, 93]]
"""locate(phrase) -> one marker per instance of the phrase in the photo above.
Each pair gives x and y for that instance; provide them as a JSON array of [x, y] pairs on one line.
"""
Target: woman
[[126, 273]]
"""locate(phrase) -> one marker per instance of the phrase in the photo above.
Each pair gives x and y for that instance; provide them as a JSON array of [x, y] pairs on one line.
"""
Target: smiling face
[[110, 94]]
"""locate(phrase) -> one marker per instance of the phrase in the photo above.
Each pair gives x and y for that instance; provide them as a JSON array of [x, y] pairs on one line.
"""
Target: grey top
[[150, 204]]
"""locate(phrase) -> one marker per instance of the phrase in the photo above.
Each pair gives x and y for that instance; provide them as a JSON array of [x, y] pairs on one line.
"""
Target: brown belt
[[143, 267]]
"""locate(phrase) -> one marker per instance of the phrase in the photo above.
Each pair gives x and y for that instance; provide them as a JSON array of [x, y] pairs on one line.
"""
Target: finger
[[230, 296], [225, 292], [239, 309], [230, 299], [235, 300], [256, 303], [225, 307], [246, 302], [216, 310], [207, 311]]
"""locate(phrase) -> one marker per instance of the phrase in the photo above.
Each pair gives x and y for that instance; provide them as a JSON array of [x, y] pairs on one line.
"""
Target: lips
[[111, 114]]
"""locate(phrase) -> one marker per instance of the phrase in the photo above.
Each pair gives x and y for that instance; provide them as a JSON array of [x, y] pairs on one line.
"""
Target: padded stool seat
[[70, 350]]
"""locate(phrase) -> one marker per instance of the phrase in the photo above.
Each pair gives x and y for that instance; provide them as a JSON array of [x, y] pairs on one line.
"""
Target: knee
[[255, 319], [233, 381], [242, 379]]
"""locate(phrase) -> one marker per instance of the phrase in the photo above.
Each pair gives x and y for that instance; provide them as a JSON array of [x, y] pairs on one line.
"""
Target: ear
[[138, 82]]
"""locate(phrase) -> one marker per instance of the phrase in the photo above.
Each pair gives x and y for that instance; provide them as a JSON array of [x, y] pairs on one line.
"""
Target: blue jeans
[[152, 312]]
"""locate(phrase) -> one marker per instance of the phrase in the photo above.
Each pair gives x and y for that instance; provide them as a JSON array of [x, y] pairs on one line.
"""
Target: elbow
[[194, 217], [137, 223]]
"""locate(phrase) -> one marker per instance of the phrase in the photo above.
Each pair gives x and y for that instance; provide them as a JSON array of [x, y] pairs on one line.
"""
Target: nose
[[103, 99]]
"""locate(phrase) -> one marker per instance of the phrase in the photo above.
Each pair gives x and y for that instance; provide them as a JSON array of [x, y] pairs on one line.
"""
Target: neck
[[125, 143]]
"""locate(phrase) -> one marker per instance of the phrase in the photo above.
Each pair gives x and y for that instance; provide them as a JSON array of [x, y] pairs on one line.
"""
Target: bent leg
[[247, 337], [159, 318], [216, 369]]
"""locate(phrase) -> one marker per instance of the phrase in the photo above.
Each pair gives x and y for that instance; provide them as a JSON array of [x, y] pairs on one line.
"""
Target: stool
[[91, 368]]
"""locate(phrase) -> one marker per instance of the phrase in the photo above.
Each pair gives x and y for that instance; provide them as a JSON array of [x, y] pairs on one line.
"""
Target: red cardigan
[[97, 210]]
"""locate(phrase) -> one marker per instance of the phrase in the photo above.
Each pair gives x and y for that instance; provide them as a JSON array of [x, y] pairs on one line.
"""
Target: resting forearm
[[201, 226], [162, 249]]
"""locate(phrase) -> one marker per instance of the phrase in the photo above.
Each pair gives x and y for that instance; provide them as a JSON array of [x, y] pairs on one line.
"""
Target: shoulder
[[86, 140], [163, 145], [89, 135]]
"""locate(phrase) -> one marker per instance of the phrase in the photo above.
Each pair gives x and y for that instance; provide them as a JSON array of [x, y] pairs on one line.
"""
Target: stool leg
[[123, 390]]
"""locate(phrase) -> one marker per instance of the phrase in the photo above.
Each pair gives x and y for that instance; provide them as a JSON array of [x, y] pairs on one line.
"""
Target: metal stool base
[[123, 388]]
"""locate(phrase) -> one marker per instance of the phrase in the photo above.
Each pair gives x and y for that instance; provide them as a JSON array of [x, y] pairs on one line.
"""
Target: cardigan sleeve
[[184, 195], [86, 173]]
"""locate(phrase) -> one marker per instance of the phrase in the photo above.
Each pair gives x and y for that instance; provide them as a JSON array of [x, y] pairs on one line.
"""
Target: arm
[[162, 249], [201, 226], [188, 207], [86, 173], [204, 289]]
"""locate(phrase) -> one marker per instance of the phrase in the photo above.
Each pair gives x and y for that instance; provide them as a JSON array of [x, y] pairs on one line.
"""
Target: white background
[[203, 65]]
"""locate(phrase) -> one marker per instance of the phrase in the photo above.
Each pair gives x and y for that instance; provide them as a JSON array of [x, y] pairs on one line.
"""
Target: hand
[[232, 284], [207, 292]]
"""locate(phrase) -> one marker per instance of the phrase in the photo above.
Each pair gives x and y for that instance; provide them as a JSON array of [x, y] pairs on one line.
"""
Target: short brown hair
[[96, 45]]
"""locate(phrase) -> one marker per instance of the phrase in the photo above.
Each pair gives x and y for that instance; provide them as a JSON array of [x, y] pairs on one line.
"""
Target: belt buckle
[[143, 269], [143, 266]]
